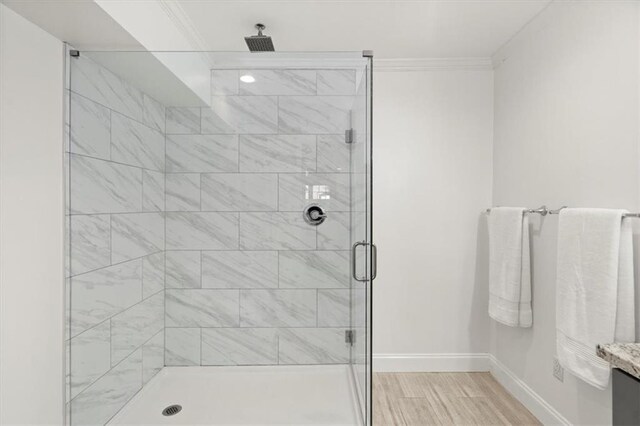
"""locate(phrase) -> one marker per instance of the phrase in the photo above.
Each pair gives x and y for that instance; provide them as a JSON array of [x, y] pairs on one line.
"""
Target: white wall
[[31, 223], [566, 132], [432, 159]]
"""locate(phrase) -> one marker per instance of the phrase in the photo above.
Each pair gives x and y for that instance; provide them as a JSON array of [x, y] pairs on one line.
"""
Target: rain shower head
[[260, 43]]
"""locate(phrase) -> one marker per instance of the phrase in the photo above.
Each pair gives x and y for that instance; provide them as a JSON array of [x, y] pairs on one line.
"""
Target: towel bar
[[543, 210]]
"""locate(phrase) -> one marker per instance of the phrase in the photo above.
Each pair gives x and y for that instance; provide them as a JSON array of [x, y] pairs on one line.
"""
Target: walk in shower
[[220, 250]]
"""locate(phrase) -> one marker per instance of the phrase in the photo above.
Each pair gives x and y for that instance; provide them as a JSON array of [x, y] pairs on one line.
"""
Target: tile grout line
[[115, 264], [111, 368]]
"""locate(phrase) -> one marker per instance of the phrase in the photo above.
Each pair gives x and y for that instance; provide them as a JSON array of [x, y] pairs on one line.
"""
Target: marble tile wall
[[116, 228], [248, 282], [187, 242]]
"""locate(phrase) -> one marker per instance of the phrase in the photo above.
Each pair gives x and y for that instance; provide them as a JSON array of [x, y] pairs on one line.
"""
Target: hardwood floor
[[445, 399]]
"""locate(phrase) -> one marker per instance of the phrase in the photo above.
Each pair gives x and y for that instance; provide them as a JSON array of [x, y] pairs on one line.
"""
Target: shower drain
[[172, 410]]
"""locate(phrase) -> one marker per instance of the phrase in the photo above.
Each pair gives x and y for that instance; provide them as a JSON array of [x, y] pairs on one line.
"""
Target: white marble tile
[[135, 144], [100, 294], [67, 370], [89, 132], [97, 83], [281, 153], [152, 274], [239, 346], [182, 346], [67, 244], [66, 131], [314, 269], [277, 308], [359, 162], [241, 114], [239, 192], [333, 154], [99, 186], [224, 82], [333, 308], [136, 234], [202, 153], [67, 309], [201, 231], [182, 120], [90, 242], [239, 269], [133, 327], [314, 114], [359, 185], [313, 346], [152, 357], [298, 190], [67, 183], [152, 191], [276, 231], [153, 113], [279, 82], [202, 308], [183, 269], [183, 191], [333, 233], [90, 357], [336, 82], [98, 403]]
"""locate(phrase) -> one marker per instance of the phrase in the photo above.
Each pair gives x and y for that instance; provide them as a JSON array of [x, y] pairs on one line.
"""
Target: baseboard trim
[[523, 393], [459, 362]]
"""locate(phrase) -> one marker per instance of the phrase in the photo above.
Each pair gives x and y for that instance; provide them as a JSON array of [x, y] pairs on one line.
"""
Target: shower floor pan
[[269, 395]]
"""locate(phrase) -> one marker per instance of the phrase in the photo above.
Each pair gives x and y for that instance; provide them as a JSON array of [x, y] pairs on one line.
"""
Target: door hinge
[[74, 53], [350, 337], [348, 136]]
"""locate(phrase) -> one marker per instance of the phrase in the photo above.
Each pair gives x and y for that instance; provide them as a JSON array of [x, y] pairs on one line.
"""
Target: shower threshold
[[252, 395]]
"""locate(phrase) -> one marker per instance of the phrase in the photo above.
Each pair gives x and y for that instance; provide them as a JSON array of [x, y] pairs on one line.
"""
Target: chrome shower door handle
[[374, 261], [354, 250]]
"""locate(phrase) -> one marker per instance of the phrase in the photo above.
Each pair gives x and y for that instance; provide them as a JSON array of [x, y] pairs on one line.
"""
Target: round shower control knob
[[314, 215]]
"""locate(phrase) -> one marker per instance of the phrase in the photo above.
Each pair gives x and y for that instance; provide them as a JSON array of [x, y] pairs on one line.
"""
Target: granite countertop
[[625, 356]]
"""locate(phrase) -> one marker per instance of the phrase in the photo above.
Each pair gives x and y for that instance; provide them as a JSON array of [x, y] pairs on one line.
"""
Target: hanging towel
[[509, 267], [594, 289]]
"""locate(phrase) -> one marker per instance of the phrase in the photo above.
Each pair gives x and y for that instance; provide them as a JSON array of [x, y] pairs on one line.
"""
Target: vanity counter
[[625, 356]]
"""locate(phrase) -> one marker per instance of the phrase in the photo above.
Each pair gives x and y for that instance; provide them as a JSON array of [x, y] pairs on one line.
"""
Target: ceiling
[[80, 22], [392, 28]]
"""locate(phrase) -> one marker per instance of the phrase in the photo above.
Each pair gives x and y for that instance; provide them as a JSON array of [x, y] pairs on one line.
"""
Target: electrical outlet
[[558, 370]]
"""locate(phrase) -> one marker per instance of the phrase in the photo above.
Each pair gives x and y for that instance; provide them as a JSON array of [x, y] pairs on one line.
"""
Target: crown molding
[[234, 60], [431, 64], [183, 24]]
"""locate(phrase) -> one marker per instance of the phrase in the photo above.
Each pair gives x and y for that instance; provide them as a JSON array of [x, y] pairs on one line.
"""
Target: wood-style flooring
[[445, 399]]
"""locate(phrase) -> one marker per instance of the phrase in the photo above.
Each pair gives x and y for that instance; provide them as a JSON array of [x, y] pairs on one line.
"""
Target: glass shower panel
[[189, 177], [360, 239]]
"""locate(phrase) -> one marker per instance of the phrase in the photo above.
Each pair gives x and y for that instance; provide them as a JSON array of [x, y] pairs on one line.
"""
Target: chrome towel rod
[[543, 211]]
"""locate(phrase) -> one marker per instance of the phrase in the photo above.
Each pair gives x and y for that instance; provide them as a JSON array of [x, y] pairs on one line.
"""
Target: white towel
[[509, 267], [594, 289]]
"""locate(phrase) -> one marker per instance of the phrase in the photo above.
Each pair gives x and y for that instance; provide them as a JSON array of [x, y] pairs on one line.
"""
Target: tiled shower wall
[[115, 169], [248, 282]]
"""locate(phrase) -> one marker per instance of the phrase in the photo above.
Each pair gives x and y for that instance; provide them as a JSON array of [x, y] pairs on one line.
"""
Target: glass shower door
[[190, 175], [362, 248]]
